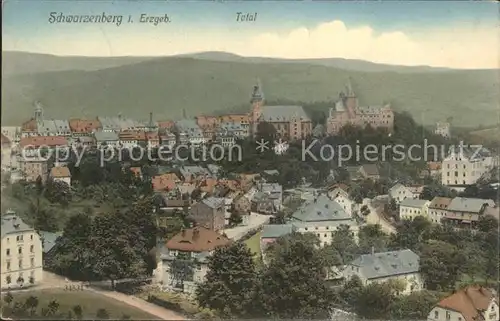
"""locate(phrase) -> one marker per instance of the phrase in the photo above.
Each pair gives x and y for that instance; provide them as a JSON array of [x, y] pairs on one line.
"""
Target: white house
[[322, 216], [464, 166], [21, 256], [466, 211], [402, 266], [400, 192], [340, 196], [61, 174], [189, 129], [438, 208], [183, 260], [473, 303], [411, 208]]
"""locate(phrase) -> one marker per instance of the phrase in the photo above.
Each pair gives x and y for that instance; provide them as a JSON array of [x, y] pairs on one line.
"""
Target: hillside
[[167, 85]]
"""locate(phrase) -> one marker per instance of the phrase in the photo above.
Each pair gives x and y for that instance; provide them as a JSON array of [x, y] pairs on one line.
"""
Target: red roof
[[84, 125], [39, 141], [163, 183], [469, 302], [60, 172], [198, 239]]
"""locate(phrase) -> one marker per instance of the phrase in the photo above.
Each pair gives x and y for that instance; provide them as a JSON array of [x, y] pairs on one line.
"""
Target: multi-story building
[[39, 126], [33, 167], [340, 196], [183, 260], [323, 216], [473, 303], [443, 129], [464, 166], [400, 266], [438, 208], [347, 111], [410, 208], [466, 212], [131, 139], [84, 127], [106, 139], [208, 125], [120, 123], [21, 253], [209, 213], [400, 192], [290, 122]]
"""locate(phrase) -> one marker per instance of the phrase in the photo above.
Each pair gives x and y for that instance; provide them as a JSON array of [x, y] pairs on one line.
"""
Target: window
[[20, 264], [31, 237], [32, 262], [20, 250], [448, 315], [7, 252], [8, 265]]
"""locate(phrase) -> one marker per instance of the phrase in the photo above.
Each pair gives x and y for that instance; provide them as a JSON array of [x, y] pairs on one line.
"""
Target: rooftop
[[12, 224], [469, 302], [60, 172], [410, 202], [276, 230], [198, 239], [440, 202], [464, 204], [283, 113], [385, 264], [321, 209], [40, 141]]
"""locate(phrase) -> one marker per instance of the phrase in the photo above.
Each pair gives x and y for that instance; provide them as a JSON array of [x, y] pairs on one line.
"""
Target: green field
[[168, 85], [89, 301], [253, 244]]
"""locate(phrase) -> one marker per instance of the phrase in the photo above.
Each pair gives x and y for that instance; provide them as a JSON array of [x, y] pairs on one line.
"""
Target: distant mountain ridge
[[209, 82]]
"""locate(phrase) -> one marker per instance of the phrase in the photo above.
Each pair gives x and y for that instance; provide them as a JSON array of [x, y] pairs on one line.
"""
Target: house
[[132, 138], [443, 129], [241, 204], [41, 145], [83, 127], [270, 233], [120, 123], [411, 208], [106, 139], [402, 266], [165, 182], [434, 169], [191, 173], [61, 174], [473, 303], [341, 196], [322, 216], [370, 171], [183, 259], [153, 139], [400, 192], [271, 191], [209, 213], [168, 140], [354, 173], [21, 253], [438, 208], [464, 166], [34, 167], [464, 211]]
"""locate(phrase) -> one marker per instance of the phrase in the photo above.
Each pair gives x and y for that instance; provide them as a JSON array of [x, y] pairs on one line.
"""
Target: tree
[[78, 311], [343, 248], [53, 307], [235, 218], [487, 223], [374, 301], [32, 303], [102, 314], [415, 306], [58, 192], [8, 298], [351, 291], [440, 264], [230, 282], [411, 233], [371, 237], [293, 284]]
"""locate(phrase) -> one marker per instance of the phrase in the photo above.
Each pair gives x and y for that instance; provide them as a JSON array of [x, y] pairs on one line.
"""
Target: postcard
[[177, 160]]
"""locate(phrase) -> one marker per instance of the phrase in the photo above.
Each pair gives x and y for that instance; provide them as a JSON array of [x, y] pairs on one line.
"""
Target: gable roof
[[468, 302], [78, 125], [101, 136], [410, 202], [11, 223], [60, 171], [321, 209], [41, 141], [370, 169], [276, 230], [198, 239], [384, 264], [283, 113], [464, 204], [440, 202], [213, 202]]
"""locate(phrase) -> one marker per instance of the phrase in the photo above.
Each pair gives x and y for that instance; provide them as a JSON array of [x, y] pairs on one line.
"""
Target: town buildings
[[465, 212], [21, 258], [411, 208], [464, 166], [341, 196], [61, 174], [443, 129], [437, 208], [400, 192], [348, 112], [400, 266], [209, 213], [473, 303], [183, 260], [290, 122]]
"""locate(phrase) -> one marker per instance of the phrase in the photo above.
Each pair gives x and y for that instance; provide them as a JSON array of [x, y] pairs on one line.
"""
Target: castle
[[290, 122], [347, 111]]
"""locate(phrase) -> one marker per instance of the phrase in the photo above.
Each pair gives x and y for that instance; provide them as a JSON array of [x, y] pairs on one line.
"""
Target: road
[[53, 281], [255, 221], [375, 218]]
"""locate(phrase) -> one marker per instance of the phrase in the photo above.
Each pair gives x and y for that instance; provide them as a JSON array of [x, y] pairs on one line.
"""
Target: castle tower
[[351, 101], [38, 111], [257, 101]]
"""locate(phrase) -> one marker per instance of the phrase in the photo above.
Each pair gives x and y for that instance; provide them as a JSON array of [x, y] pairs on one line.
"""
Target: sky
[[454, 34]]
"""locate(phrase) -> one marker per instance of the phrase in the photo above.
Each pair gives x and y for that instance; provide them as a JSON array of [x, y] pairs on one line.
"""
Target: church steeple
[[349, 91], [257, 94], [38, 111]]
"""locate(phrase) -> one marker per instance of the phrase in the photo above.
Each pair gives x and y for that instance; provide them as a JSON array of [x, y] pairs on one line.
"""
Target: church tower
[[257, 101], [351, 101], [38, 111]]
